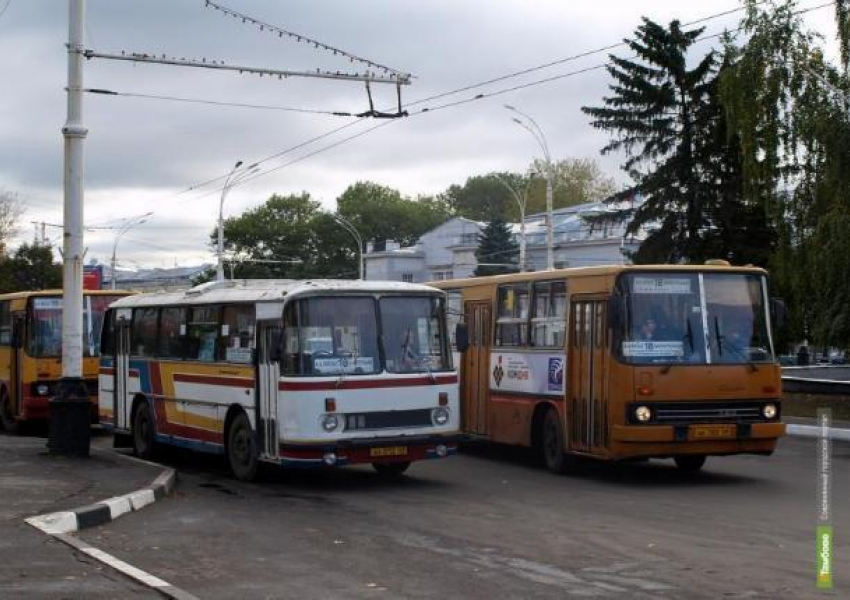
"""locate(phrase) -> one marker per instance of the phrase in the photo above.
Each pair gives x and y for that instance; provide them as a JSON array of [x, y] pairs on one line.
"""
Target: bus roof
[[57, 292], [269, 290], [587, 272]]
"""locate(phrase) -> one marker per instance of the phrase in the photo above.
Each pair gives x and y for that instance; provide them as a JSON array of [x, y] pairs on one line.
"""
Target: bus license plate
[[712, 432], [388, 451]]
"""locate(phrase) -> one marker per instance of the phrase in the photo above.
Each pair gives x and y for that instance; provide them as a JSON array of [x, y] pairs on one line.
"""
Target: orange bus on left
[[31, 351]]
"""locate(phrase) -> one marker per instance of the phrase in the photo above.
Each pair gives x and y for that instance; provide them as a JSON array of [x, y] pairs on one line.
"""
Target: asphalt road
[[490, 524]]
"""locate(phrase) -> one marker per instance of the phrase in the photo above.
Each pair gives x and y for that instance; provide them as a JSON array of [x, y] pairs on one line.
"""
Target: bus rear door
[[587, 421], [269, 338], [476, 367], [123, 318]]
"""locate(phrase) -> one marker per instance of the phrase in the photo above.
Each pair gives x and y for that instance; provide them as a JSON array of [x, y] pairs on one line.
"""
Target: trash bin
[[70, 419], [803, 356]]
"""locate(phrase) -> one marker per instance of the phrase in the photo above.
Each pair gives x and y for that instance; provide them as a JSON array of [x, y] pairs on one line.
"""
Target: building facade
[[448, 251]]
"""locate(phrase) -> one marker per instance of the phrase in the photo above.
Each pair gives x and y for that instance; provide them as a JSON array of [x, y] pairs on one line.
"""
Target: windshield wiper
[[689, 337], [740, 353]]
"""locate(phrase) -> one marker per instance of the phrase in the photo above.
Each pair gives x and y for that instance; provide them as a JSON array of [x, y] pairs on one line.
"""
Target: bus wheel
[[393, 469], [690, 463], [242, 449], [144, 432], [552, 440], [7, 417]]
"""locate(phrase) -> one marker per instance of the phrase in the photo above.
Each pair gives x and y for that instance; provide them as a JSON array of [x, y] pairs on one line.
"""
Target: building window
[[469, 239], [443, 275], [407, 277]]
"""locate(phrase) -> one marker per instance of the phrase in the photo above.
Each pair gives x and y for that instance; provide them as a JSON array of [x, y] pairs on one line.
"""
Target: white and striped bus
[[295, 373]]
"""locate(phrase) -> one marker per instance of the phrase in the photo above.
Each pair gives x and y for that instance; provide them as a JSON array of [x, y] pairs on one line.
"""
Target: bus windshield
[[44, 330], [412, 336], [708, 318]]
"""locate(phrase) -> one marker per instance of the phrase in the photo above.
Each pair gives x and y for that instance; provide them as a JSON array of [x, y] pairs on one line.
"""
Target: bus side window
[[548, 314], [143, 339], [291, 351], [5, 324], [237, 334], [454, 313], [512, 323], [172, 332], [202, 333]]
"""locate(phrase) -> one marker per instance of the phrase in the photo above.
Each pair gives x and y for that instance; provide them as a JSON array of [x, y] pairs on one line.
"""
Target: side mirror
[[779, 312], [462, 337]]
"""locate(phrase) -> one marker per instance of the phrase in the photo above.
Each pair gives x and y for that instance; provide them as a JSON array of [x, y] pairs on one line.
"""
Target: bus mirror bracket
[[462, 337], [778, 311]]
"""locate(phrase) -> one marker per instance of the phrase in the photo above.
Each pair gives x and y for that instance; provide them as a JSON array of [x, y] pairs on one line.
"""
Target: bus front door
[[121, 373], [587, 421], [476, 367], [269, 337]]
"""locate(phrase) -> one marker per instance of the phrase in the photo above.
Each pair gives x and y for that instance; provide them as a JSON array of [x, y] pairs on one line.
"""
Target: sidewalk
[[32, 482]]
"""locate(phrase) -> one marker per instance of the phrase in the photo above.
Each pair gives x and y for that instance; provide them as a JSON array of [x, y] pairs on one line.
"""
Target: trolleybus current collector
[[303, 373], [620, 362]]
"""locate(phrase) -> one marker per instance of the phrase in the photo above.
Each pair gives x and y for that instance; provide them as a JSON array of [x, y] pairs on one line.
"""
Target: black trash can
[[70, 419]]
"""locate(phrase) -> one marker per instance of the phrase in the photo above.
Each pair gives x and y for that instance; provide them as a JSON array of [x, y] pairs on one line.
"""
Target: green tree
[[484, 197], [497, 251], [381, 213], [574, 181], [287, 237], [790, 110], [666, 118], [31, 267]]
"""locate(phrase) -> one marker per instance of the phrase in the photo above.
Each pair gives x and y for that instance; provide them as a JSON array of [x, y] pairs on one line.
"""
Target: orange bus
[[31, 351], [620, 362]]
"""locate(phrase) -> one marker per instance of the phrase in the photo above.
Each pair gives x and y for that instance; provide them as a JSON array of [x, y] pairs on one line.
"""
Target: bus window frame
[[532, 310], [522, 322]]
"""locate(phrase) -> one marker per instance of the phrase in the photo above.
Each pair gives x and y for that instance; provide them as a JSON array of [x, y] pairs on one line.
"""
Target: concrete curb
[[105, 511], [814, 431]]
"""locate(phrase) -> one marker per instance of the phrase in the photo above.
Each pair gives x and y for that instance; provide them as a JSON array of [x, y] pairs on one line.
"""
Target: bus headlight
[[440, 416], [330, 422], [42, 389], [643, 414], [768, 411]]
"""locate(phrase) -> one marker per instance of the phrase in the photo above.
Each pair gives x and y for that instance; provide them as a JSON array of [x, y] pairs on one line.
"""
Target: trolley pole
[[69, 409]]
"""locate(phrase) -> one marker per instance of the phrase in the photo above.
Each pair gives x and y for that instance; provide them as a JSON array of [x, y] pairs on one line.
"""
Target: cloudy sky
[[145, 155]]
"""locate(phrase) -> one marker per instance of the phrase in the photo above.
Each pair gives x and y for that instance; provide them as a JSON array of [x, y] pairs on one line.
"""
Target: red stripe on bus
[[242, 382], [359, 384]]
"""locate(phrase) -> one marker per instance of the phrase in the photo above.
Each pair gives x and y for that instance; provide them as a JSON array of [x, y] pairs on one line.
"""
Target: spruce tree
[[668, 120], [496, 244]]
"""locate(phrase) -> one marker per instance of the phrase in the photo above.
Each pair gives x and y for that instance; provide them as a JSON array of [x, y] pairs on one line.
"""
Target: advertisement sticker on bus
[[527, 373]]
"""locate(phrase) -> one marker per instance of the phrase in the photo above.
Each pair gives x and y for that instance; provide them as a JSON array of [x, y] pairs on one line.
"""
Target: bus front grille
[[703, 412], [391, 419]]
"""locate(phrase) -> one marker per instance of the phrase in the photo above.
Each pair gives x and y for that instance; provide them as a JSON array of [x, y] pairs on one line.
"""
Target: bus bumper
[[670, 440], [368, 450]]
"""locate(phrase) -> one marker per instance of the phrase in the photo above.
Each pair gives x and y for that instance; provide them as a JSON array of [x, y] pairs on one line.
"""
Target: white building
[[448, 251]]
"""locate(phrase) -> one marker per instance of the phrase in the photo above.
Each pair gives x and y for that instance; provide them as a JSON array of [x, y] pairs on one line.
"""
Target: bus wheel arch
[[240, 444]]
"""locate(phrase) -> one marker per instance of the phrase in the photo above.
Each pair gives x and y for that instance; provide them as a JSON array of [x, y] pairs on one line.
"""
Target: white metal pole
[[75, 134], [219, 273], [550, 251]]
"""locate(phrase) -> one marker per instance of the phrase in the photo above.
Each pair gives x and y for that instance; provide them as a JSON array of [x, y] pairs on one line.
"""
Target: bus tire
[[144, 431], [552, 443], [242, 449], [7, 417], [392, 469], [690, 463]]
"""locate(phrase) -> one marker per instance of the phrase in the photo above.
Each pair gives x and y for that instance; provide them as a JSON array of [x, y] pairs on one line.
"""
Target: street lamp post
[[521, 200], [529, 124], [133, 222], [353, 231], [232, 179]]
